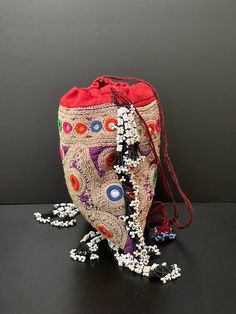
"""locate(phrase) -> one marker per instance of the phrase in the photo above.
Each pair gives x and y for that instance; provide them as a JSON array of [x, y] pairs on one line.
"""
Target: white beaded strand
[[137, 261], [62, 211], [93, 238]]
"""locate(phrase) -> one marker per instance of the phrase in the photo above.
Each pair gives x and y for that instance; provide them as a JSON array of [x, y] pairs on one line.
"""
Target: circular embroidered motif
[[67, 127], [81, 128], [114, 193], [107, 159], [110, 159], [74, 182], [151, 128], [104, 231], [111, 223], [110, 124], [96, 126], [59, 125]]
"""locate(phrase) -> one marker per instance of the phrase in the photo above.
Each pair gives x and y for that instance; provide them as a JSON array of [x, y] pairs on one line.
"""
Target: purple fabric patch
[[74, 164], [94, 153], [129, 247], [84, 199], [146, 153], [65, 148]]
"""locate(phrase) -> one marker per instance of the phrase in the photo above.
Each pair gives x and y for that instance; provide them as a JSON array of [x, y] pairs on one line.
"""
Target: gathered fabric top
[[100, 92]]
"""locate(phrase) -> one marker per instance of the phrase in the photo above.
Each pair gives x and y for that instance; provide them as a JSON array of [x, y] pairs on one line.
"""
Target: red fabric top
[[99, 92]]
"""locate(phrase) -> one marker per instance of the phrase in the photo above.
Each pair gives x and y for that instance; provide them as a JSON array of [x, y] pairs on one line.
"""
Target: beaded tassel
[[129, 157], [159, 235], [88, 246], [64, 211]]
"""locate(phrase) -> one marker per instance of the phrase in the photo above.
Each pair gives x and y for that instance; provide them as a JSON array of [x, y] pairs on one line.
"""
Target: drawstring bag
[[111, 135]]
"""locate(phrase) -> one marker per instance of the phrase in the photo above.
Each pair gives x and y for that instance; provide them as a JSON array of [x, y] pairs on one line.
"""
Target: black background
[[185, 48]]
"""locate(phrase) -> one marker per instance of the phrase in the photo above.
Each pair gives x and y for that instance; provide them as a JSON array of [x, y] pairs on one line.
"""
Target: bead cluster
[[64, 211], [162, 236], [126, 127], [127, 139], [173, 274], [88, 247]]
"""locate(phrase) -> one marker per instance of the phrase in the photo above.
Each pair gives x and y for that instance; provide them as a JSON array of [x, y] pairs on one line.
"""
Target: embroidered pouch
[[110, 137]]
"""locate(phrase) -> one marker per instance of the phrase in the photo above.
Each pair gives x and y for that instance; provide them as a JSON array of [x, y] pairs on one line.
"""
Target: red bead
[[132, 195]]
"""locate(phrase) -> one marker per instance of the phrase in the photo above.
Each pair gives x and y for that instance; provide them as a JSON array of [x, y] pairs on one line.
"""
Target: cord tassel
[[158, 223]]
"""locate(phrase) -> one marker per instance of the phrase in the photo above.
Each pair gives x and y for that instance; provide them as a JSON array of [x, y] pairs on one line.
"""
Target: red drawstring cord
[[167, 160], [159, 218]]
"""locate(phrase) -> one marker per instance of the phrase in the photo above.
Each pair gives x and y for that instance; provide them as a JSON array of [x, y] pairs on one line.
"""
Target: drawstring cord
[[167, 160]]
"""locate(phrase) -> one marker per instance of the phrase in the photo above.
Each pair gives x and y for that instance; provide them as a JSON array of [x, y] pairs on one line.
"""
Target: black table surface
[[37, 275]]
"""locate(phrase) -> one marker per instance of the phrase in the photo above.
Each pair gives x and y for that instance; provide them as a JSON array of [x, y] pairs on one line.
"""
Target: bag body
[[88, 150], [110, 145]]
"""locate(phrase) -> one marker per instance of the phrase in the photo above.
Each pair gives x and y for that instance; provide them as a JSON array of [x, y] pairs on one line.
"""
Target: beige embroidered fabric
[[88, 151]]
